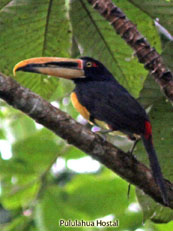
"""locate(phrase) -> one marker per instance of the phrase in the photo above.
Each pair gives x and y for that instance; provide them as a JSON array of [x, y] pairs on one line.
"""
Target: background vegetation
[[40, 176]]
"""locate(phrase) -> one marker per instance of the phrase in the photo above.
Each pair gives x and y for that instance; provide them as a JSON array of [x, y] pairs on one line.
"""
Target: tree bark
[[124, 164], [146, 54]]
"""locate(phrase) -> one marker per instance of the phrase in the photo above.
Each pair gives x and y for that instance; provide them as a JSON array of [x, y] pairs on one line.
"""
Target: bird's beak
[[60, 67]]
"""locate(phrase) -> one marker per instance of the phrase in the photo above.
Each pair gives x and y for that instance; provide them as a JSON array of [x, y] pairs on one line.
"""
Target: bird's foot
[[102, 133], [136, 140]]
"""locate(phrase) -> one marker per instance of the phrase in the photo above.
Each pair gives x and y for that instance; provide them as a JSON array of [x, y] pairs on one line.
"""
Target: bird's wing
[[112, 104]]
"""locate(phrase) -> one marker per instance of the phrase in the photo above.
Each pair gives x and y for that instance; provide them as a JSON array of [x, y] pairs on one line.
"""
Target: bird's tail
[[154, 163]]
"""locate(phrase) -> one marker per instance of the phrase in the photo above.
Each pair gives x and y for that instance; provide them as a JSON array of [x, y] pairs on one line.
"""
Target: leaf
[[19, 223], [103, 194], [2, 134], [160, 115], [96, 38], [73, 153], [21, 125], [35, 28], [161, 9], [167, 55], [14, 167], [88, 198], [144, 22], [151, 92], [3, 3], [16, 196], [163, 227], [52, 208], [40, 148], [161, 120], [21, 175]]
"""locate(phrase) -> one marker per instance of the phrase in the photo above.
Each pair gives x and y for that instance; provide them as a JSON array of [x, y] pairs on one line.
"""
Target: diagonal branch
[[124, 164], [146, 54]]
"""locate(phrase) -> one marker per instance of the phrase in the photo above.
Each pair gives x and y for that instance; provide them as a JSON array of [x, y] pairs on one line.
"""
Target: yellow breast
[[84, 112], [81, 109]]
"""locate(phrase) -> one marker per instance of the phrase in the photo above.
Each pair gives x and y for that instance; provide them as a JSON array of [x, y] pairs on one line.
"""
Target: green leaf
[[101, 193], [160, 9], [86, 197], [73, 153], [52, 208], [151, 92], [2, 134], [163, 227], [144, 22], [35, 28], [19, 223], [21, 175], [16, 196], [3, 3], [161, 120], [167, 55], [21, 125], [14, 167], [37, 151]]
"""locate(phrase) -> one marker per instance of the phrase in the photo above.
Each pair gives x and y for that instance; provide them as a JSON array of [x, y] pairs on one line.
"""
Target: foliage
[[35, 191]]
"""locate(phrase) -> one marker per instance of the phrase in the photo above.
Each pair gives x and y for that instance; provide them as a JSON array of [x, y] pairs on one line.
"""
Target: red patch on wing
[[148, 130]]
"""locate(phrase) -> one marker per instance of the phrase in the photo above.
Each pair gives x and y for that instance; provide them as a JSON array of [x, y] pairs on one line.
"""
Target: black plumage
[[108, 101]]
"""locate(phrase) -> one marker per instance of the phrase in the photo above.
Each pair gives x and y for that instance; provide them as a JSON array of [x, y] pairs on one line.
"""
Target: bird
[[101, 99]]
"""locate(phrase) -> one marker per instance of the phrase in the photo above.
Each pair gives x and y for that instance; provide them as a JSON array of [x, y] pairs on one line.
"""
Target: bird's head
[[84, 68]]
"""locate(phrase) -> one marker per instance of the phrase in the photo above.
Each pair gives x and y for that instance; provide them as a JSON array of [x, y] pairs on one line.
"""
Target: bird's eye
[[89, 64]]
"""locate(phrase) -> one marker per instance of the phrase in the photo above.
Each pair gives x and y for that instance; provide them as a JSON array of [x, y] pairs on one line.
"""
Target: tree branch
[[124, 164], [146, 54]]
